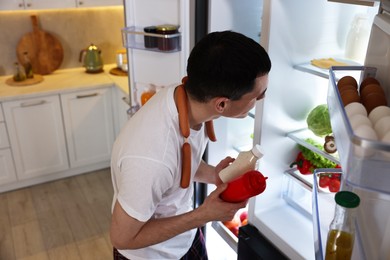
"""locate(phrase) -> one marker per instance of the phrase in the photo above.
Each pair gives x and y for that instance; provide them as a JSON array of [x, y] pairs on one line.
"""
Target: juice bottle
[[341, 234], [244, 162]]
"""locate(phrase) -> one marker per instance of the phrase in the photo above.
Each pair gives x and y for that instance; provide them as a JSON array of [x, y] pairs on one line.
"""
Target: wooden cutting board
[[44, 50]]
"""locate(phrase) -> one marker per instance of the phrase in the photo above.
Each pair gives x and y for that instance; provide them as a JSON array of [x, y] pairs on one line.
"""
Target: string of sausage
[[184, 126]]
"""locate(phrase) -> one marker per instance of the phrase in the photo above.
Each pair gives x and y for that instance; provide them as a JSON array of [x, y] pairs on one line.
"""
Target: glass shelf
[[299, 137], [324, 73], [226, 234]]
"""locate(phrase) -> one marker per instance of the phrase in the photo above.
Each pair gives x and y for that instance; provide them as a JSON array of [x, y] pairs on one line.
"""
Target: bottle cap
[[347, 199], [256, 151]]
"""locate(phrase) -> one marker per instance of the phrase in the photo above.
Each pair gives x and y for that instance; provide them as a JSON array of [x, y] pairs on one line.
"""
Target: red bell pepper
[[303, 165]]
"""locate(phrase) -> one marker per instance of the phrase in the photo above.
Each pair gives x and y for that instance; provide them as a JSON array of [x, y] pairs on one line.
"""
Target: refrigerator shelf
[[324, 73], [226, 234], [365, 162], [299, 137], [135, 38]]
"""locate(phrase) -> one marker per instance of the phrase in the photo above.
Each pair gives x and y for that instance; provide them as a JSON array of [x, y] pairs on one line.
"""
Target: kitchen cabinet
[[7, 168], [35, 4], [36, 136], [91, 3], [53, 4], [89, 125]]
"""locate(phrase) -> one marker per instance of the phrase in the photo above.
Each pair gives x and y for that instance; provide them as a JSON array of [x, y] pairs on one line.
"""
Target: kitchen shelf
[[299, 137], [134, 38]]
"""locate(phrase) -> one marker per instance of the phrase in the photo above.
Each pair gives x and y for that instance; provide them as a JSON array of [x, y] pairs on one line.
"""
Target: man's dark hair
[[225, 64]]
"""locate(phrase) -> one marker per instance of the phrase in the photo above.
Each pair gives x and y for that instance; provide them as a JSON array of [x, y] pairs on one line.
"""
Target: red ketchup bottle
[[246, 186]]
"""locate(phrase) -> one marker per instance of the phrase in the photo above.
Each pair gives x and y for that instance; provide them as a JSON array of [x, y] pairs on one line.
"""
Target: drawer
[[3, 136], [1, 114]]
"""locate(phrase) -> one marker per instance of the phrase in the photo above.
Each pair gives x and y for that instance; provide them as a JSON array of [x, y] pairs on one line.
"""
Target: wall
[[75, 28]]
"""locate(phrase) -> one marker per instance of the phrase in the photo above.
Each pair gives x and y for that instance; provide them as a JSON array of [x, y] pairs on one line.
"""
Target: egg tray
[[365, 163]]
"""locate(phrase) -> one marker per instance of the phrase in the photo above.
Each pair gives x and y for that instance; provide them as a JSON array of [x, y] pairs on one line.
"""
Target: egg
[[366, 132], [347, 80], [358, 120], [379, 112], [355, 108], [349, 96], [371, 88], [382, 126], [373, 100], [367, 81], [346, 87]]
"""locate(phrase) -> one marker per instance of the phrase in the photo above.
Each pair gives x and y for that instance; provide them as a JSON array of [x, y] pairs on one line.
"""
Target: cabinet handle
[[21, 5], [87, 95], [81, 3], [28, 5], [33, 103]]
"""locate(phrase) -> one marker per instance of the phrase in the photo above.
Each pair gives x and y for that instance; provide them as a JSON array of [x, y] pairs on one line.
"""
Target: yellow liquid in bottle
[[339, 245]]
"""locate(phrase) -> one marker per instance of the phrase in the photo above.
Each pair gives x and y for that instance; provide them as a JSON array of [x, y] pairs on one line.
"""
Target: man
[[158, 154]]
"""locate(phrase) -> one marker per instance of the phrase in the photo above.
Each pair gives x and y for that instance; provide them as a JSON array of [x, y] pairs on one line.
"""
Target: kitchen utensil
[[44, 50], [91, 59]]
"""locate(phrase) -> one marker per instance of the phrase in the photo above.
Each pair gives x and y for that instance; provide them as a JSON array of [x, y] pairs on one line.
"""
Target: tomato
[[334, 185], [324, 181], [233, 225], [243, 215]]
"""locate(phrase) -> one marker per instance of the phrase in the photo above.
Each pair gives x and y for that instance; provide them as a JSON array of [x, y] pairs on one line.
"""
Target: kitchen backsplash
[[75, 28]]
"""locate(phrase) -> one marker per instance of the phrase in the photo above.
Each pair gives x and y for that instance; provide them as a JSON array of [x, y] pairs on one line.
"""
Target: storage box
[[365, 163]]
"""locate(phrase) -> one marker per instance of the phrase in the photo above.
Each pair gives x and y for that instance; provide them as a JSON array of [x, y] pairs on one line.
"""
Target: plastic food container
[[365, 162]]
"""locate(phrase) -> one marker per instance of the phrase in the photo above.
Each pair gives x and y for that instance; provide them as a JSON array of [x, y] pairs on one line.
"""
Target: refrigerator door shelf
[[134, 38], [366, 162]]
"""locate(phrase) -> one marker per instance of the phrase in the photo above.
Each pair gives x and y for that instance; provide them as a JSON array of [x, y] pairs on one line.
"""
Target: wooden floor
[[65, 219]]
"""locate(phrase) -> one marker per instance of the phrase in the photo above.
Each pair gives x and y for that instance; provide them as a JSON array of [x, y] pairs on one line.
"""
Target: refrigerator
[[284, 221]]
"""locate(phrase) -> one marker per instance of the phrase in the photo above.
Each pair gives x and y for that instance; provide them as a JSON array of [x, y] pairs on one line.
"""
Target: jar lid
[[150, 29], [167, 27], [347, 199]]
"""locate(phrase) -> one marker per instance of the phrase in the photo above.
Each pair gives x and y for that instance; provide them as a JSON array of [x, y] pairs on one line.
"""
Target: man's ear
[[220, 104]]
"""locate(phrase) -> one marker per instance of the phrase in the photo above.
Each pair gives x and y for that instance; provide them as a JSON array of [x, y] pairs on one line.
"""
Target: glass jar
[[341, 234], [19, 73], [167, 43], [150, 41]]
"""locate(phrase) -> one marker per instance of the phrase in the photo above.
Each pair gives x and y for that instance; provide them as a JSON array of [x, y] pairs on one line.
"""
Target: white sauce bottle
[[245, 161]]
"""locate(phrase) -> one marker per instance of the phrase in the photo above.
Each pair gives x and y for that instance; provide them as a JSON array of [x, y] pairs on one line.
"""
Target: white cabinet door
[[7, 168], [89, 125], [35, 4], [36, 135], [91, 3]]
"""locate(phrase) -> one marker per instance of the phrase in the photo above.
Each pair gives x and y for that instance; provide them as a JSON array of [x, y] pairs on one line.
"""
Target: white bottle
[[244, 162], [357, 39]]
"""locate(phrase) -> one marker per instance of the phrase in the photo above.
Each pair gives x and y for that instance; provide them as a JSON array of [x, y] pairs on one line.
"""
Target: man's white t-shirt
[[146, 171]]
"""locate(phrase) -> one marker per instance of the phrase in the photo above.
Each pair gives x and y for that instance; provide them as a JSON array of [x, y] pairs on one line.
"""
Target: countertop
[[62, 81]]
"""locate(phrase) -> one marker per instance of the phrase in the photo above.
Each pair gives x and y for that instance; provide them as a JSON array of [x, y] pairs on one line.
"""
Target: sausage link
[[186, 166], [183, 111], [210, 131]]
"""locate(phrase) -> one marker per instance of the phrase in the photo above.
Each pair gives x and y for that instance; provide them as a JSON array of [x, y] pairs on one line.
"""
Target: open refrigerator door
[[295, 34]]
